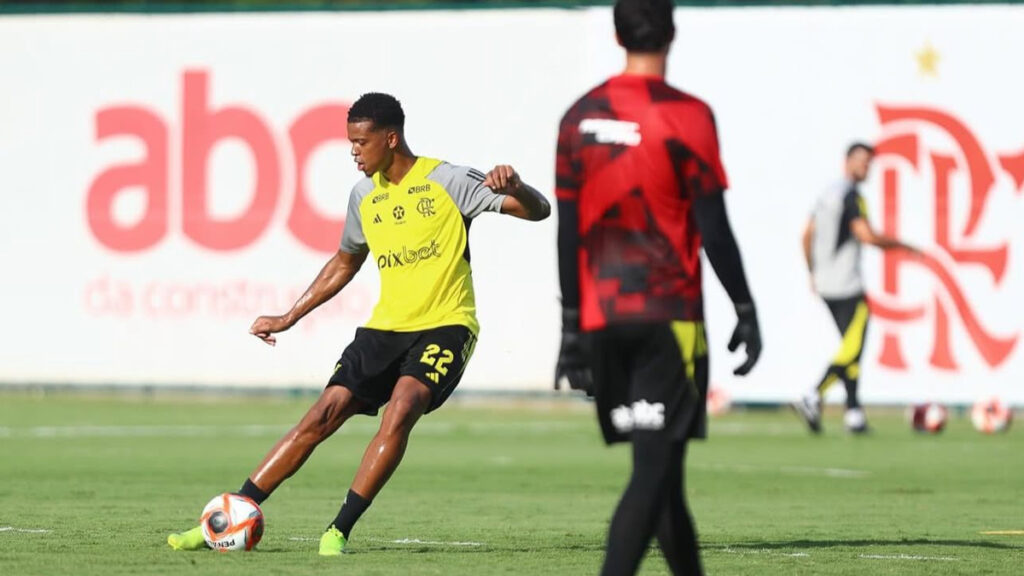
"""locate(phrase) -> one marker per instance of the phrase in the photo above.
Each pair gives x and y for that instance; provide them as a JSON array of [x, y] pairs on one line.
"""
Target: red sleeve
[[567, 165], [701, 162], [714, 154]]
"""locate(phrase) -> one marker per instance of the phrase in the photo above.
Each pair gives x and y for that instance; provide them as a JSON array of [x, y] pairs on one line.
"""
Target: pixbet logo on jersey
[[394, 259], [202, 128], [918, 142]]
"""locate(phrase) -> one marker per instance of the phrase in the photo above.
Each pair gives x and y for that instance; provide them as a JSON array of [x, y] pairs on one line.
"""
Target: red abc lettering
[[150, 174], [315, 127], [202, 129]]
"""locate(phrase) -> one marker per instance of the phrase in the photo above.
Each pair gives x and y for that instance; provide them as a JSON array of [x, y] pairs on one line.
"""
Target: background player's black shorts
[[371, 365], [844, 309], [651, 377]]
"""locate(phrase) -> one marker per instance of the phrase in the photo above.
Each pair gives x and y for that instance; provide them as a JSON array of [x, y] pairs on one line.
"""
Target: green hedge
[[161, 6]]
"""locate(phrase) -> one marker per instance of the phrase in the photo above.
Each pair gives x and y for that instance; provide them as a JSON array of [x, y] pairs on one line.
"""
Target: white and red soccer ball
[[718, 402], [990, 416], [232, 522], [929, 417]]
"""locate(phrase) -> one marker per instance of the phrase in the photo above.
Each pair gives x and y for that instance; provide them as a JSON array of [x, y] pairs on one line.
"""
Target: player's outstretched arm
[[521, 199], [863, 232], [724, 255], [334, 276]]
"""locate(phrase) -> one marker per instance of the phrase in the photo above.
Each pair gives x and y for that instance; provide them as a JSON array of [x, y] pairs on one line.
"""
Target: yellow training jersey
[[417, 233]]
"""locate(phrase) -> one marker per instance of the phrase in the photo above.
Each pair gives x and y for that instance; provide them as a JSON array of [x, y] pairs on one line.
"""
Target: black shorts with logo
[[372, 364], [651, 377]]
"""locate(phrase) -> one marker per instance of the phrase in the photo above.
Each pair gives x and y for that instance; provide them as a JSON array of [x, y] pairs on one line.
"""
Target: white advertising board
[[168, 178]]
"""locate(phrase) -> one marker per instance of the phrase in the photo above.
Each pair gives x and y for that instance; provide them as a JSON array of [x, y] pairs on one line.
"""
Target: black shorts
[[372, 364], [651, 378], [851, 316]]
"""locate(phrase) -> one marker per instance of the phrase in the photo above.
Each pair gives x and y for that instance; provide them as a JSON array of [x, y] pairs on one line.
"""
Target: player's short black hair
[[384, 110], [644, 25], [860, 146]]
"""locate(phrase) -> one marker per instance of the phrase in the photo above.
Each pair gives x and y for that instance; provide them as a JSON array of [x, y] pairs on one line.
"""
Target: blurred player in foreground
[[640, 185], [413, 214], [832, 244]]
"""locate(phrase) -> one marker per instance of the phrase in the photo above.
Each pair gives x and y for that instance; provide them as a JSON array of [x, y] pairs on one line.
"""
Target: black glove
[[573, 362], [748, 333]]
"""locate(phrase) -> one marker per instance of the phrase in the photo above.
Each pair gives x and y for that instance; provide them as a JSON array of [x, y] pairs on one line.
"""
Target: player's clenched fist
[[265, 326], [503, 179]]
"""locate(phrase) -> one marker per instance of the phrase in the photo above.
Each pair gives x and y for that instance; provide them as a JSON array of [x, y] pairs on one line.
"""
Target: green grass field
[[92, 485]]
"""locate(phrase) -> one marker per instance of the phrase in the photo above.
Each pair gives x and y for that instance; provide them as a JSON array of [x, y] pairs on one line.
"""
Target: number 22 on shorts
[[440, 363]]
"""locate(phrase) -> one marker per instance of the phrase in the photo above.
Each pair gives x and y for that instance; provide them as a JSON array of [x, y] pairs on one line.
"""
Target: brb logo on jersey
[[920, 142], [202, 128], [408, 257]]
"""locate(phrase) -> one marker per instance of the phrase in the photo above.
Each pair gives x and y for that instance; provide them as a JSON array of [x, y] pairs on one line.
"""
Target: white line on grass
[[137, 431], [906, 557], [402, 541], [764, 551], [794, 470], [25, 530], [759, 428], [367, 426], [831, 472], [426, 542]]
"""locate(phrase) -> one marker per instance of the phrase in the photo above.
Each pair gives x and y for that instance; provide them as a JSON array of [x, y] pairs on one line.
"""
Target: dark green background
[[34, 6]]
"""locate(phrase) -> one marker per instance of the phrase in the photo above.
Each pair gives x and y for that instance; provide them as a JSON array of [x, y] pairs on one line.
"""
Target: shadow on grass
[[599, 545], [805, 544]]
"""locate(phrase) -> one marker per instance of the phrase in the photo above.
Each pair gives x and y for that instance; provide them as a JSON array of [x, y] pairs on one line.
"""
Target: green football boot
[[332, 543], [188, 540]]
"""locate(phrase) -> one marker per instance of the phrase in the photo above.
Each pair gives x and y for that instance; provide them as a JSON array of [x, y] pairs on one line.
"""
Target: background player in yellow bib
[[412, 214]]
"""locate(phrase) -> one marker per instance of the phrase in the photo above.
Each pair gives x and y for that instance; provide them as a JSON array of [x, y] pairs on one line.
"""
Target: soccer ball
[[855, 420], [232, 522], [930, 417], [991, 415], [719, 402]]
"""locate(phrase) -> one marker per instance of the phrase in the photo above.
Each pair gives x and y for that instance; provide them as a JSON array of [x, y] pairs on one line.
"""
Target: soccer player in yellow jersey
[[412, 214]]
